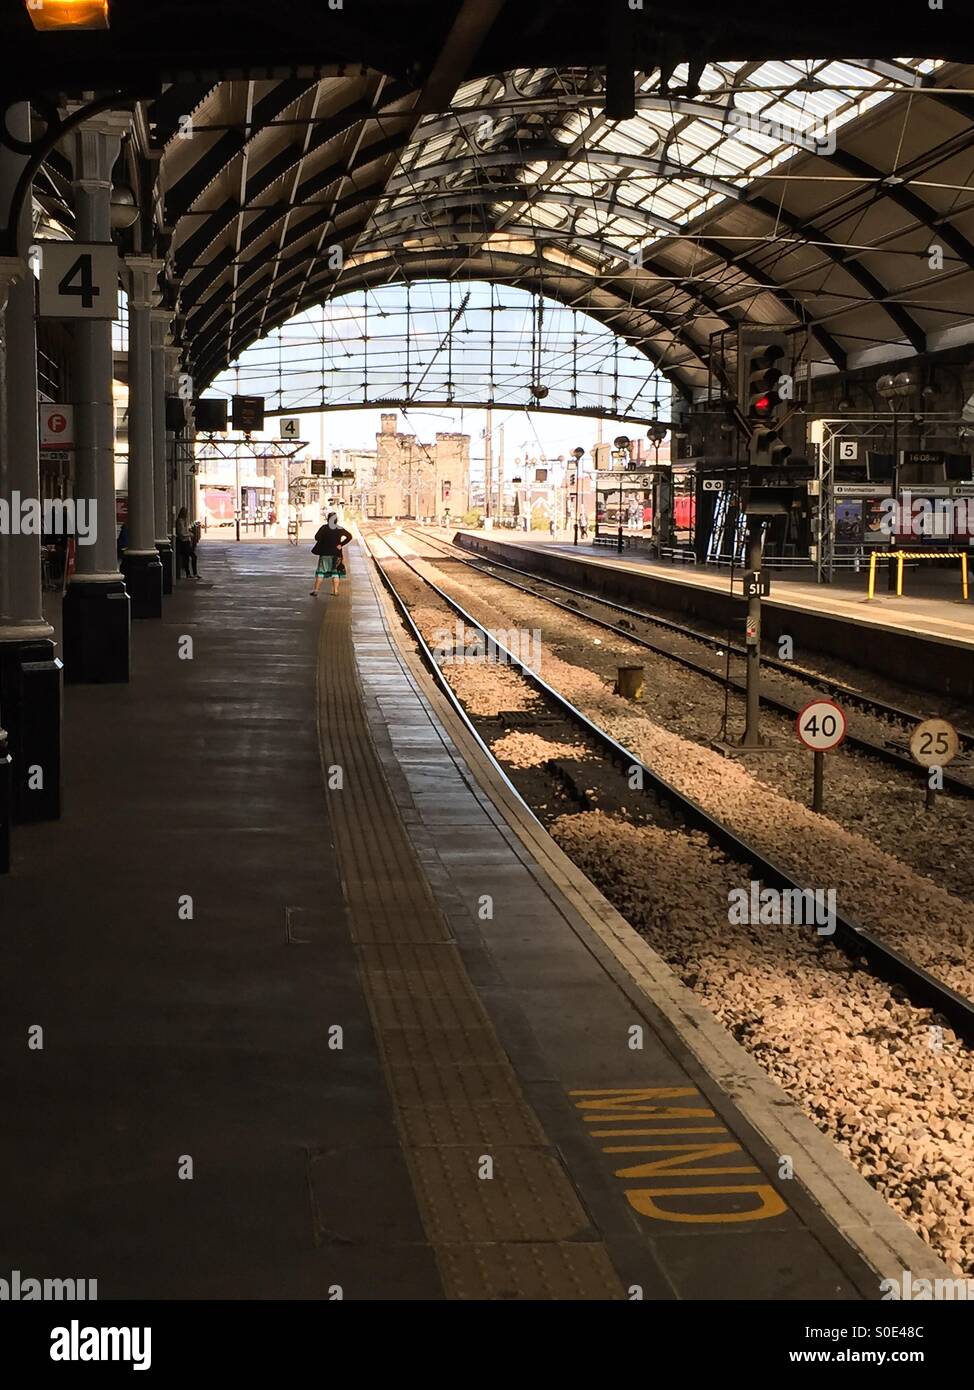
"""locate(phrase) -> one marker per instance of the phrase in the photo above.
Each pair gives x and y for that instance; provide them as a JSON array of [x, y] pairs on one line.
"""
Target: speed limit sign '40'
[[821, 725]]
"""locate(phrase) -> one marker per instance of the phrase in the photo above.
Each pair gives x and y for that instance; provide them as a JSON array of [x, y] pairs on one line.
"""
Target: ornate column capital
[[174, 367], [143, 281], [161, 322], [94, 147]]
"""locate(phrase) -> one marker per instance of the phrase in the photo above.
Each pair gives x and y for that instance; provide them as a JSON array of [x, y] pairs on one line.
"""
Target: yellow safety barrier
[[900, 555]]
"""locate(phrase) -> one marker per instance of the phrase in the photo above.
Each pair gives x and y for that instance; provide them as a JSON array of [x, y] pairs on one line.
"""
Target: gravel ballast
[[892, 1087]]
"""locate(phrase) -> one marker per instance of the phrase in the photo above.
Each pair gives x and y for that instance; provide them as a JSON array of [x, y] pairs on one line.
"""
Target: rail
[[924, 989], [888, 752]]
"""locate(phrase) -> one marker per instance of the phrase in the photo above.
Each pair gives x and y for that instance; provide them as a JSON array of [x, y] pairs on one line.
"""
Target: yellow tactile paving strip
[[499, 1211]]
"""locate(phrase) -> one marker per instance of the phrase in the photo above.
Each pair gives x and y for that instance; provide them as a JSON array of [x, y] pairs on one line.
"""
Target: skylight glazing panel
[[431, 151], [750, 101], [643, 140], [548, 215], [793, 117], [820, 104], [620, 230], [735, 155], [473, 92], [719, 75], [698, 135], [632, 134], [530, 81], [572, 125], [632, 198], [713, 147], [839, 74], [679, 195], [779, 73], [528, 173]]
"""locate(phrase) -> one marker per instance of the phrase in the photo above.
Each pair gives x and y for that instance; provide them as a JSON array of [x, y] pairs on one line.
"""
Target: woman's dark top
[[330, 539]]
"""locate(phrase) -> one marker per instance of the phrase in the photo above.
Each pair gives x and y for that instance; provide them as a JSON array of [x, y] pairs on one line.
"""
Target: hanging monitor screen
[[248, 413]]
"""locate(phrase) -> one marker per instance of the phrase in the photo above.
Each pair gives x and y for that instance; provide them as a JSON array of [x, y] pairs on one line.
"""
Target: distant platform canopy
[[439, 343]]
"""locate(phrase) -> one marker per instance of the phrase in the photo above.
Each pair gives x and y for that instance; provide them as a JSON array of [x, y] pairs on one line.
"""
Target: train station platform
[[889, 635], [300, 1002]]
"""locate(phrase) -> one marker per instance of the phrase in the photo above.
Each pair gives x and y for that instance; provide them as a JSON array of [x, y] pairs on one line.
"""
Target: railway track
[[885, 752], [919, 986]]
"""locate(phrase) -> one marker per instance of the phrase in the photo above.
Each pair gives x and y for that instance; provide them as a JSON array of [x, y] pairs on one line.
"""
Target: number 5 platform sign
[[821, 726], [78, 281]]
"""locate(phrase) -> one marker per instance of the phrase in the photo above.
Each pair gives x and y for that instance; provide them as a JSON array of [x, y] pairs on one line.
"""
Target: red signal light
[[762, 405]]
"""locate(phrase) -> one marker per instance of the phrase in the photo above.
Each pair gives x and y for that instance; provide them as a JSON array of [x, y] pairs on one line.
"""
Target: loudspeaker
[[211, 415], [880, 467]]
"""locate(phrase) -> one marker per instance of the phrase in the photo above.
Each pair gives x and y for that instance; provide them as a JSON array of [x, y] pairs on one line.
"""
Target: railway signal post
[[755, 585], [760, 392]]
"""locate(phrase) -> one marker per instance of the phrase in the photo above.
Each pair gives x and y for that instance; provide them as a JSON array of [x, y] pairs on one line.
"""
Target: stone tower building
[[421, 480]]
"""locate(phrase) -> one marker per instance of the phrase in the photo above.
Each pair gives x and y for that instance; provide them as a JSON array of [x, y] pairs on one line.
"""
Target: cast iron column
[[11, 268], [30, 675], [96, 605], [175, 439], [160, 320], [140, 563], [189, 459]]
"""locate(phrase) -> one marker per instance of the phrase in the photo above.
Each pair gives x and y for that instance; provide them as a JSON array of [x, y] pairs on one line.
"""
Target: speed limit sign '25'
[[934, 743], [821, 725]]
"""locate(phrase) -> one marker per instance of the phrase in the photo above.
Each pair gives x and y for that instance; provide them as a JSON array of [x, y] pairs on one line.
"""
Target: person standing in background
[[328, 547], [185, 546]]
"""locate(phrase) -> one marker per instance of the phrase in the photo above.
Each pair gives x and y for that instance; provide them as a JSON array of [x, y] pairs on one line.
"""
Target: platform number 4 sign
[[78, 281], [290, 428]]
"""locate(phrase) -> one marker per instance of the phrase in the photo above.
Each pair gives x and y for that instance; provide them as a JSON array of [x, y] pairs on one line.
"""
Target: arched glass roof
[[436, 342], [789, 193]]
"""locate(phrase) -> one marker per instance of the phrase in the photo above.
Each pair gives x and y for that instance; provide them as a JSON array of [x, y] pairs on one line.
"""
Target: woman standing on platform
[[328, 547], [185, 544]]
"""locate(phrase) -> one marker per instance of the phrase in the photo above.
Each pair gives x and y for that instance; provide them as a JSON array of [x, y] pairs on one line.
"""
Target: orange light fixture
[[68, 14]]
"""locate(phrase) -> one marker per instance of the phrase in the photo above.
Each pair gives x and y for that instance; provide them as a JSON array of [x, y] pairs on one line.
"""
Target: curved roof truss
[[808, 194]]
